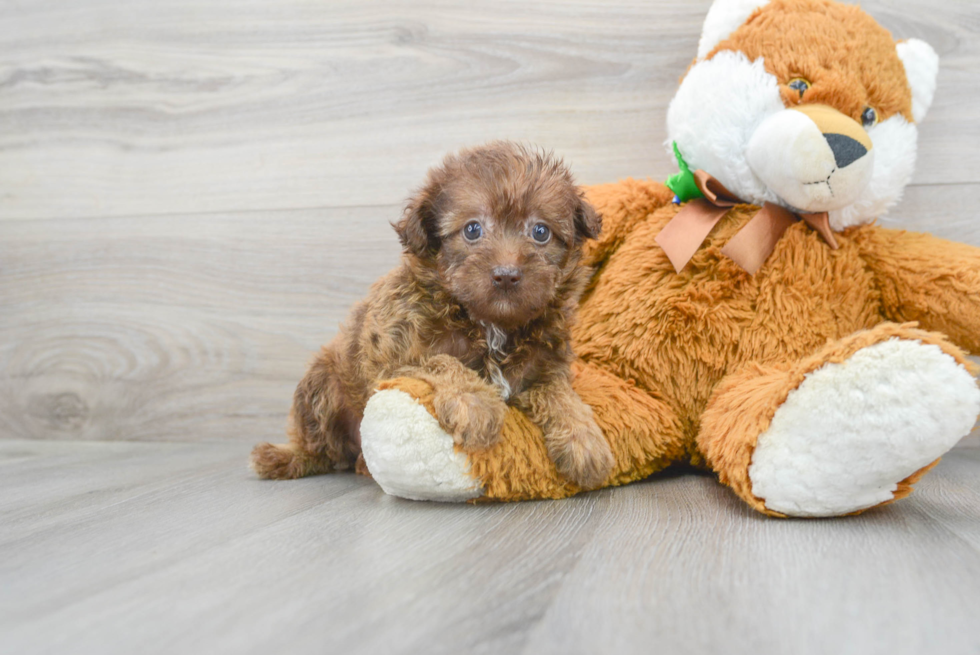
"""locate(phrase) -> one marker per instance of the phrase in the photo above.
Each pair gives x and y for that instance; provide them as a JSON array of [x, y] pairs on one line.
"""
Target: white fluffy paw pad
[[408, 453], [852, 431]]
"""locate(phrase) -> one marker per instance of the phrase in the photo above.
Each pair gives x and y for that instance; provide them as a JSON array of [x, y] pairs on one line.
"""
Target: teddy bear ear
[[724, 17], [921, 68]]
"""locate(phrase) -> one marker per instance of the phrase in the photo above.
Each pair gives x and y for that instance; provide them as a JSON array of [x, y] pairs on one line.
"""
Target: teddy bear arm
[[411, 456], [623, 205], [929, 280]]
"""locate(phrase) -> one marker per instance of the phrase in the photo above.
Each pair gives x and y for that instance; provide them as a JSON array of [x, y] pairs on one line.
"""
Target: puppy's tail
[[285, 462]]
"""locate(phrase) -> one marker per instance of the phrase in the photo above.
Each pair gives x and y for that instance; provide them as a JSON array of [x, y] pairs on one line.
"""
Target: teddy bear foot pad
[[855, 434], [408, 453]]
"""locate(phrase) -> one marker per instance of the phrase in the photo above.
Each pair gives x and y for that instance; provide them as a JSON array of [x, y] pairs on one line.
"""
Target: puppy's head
[[502, 225]]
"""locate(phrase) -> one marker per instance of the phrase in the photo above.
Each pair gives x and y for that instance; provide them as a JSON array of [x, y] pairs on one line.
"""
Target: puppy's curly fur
[[481, 307]]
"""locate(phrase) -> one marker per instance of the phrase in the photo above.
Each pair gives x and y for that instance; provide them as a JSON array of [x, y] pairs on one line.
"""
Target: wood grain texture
[[192, 195], [175, 548], [152, 107], [179, 327]]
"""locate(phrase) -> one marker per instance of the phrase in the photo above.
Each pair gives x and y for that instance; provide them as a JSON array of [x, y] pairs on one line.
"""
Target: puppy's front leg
[[467, 407], [574, 441]]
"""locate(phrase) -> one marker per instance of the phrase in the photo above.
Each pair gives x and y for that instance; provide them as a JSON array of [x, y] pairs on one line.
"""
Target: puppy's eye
[[869, 117], [541, 233], [472, 231], [799, 84]]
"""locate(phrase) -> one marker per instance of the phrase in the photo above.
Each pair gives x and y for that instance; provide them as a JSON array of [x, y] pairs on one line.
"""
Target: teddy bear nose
[[846, 150], [506, 277]]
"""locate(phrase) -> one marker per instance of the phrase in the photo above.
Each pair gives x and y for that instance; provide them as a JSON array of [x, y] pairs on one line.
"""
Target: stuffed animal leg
[[853, 426], [409, 455]]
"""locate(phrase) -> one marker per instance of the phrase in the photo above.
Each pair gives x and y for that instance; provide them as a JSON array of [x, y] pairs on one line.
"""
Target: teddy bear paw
[[409, 454]]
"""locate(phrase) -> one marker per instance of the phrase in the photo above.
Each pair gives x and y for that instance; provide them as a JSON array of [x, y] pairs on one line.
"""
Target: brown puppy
[[480, 307]]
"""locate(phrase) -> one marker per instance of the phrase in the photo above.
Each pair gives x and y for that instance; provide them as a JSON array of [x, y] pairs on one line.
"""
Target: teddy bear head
[[809, 104]]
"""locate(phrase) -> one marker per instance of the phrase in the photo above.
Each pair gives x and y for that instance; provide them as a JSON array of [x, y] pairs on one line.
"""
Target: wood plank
[[270, 105], [187, 327], [247, 545], [215, 561], [774, 587], [174, 107], [715, 577], [952, 498], [941, 209]]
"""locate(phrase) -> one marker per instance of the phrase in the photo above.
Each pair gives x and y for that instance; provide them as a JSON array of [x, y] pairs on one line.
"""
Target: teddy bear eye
[[869, 117], [799, 84], [472, 231], [541, 233]]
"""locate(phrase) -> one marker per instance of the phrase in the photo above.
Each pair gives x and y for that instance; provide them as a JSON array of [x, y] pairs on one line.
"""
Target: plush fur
[[481, 307], [827, 382], [724, 18], [737, 90], [415, 457], [881, 398], [921, 65]]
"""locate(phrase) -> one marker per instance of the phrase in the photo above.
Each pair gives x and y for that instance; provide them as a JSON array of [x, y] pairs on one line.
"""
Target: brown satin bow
[[751, 246]]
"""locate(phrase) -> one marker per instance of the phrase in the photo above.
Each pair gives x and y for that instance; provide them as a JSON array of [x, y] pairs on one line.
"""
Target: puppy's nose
[[506, 277]]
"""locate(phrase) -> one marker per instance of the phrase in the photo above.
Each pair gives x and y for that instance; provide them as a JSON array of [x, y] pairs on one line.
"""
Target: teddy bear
[[749, 317]]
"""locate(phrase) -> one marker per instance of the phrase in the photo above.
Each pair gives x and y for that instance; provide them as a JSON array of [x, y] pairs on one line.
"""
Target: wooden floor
[[191, 196], [175, 548]]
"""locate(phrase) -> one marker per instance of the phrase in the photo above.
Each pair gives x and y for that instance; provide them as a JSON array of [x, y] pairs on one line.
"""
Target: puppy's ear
[[588, 222], [418, 227]]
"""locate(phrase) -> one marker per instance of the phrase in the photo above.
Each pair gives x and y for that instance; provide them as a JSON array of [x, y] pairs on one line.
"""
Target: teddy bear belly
[[678, 335]]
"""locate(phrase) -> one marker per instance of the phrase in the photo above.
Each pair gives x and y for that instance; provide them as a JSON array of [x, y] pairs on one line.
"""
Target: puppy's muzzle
[[506, 278]]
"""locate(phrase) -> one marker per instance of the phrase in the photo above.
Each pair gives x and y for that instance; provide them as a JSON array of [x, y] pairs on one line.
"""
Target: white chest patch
[[496, 338], [496, 341]]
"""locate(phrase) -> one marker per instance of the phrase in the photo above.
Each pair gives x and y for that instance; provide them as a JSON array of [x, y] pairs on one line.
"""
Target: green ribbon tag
[[683, 184]]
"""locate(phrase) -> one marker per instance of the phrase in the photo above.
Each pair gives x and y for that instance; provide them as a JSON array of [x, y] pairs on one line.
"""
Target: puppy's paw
[[276, 462], [582, 454], [474, 422]]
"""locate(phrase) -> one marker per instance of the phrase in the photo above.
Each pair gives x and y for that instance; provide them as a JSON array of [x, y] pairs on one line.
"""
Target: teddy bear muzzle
[[813, 157]]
